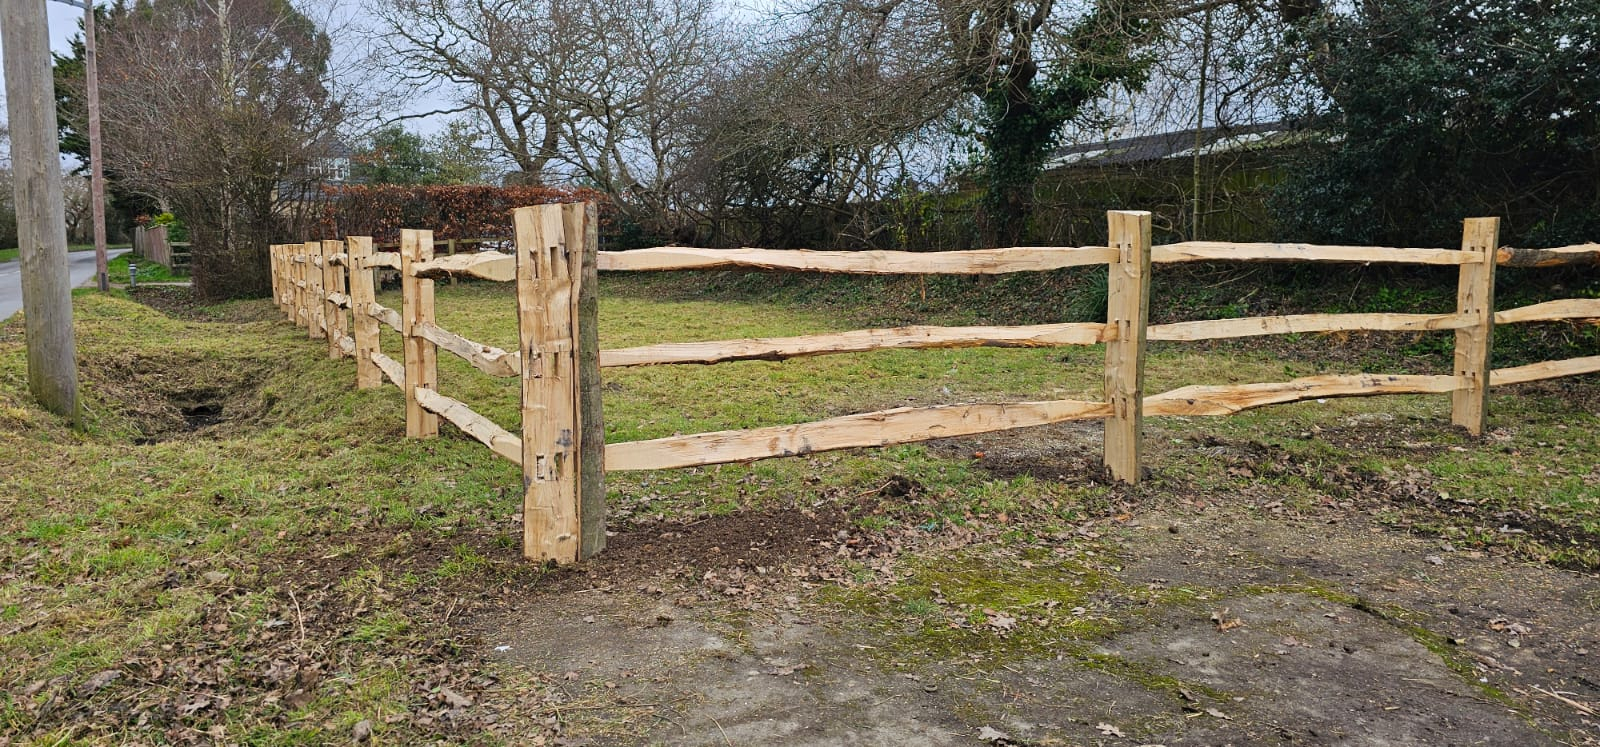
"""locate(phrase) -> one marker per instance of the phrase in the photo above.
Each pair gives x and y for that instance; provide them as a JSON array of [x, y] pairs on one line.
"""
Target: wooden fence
[[152, 244], [555, 267]]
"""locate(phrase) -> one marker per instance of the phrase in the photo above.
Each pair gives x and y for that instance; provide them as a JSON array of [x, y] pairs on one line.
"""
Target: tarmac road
[[80, 265]]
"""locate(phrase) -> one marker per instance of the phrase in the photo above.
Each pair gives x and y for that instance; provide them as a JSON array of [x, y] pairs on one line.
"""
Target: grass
[[149, 271], [131, 543]]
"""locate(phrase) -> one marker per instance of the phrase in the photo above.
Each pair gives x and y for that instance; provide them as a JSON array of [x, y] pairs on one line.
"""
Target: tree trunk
[[40, 206]]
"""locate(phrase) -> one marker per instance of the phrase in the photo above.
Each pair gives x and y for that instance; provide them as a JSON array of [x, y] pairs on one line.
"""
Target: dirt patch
[[169, 396], [180, 302], [1512, 632], [1253, 636], [747, 540]]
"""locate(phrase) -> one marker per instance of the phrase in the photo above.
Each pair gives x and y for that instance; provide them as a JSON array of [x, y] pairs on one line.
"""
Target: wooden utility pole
[[41, 207], [97, 175]]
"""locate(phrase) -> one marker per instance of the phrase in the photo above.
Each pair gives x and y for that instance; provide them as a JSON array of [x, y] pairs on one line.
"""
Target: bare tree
[[595, 92], [75, 191], [220, 109], [802, 142]]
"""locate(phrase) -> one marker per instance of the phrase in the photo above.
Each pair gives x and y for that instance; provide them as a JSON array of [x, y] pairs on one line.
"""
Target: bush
[[451, 212]]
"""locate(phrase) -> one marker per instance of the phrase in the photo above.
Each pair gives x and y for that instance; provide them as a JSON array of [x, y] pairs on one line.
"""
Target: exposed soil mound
[[180, 302], [169, 396]]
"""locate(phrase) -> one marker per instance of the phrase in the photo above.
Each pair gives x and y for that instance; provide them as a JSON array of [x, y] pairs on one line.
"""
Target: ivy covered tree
[[1003, 76], [1033, 79], [1445, 109]]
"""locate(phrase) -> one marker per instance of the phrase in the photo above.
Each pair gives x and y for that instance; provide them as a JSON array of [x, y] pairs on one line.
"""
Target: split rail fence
[[561, 446]]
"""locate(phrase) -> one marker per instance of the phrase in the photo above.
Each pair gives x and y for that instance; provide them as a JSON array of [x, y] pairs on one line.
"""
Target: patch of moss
[[1145, 676], [985, 613], [972, 608]]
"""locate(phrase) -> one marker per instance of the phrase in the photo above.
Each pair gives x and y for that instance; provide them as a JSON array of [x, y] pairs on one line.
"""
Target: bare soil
[[1235, 624], [1363, 636]]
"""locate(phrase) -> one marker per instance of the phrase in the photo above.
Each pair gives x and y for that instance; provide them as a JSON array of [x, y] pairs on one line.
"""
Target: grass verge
[[243, 545]]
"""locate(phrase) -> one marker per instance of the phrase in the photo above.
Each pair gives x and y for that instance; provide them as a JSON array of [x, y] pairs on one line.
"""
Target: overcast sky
[[64, 21]]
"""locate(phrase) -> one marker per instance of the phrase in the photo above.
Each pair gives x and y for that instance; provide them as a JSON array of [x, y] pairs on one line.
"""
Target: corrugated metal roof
[[1179, 144]]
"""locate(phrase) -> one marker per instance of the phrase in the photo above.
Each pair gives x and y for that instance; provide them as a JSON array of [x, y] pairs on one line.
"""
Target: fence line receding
[[328, 287]]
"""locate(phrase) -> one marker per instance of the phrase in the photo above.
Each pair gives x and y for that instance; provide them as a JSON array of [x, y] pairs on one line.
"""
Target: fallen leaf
[[98, 681], [1225, 623], [1000, 620], [453, 698], [991, 734]]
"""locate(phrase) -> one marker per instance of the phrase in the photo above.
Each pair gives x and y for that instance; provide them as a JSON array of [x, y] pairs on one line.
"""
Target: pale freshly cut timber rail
[[499, 440], [1577, 254], [1201, 251], [884, 428], [1216, 329], [485, 265], [1231, 398], [386, 315], [490, 360], [1545, 370], [1550, 311], [561, 447], [971, 262], [780, 348], [395, 370]]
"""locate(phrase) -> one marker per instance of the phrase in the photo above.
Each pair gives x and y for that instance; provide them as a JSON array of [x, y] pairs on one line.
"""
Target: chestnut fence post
[[332, 315], [562, 437], [1469, 403], [299, 262], [314, 325], [1127, 316], [363, 293], [421, 356]]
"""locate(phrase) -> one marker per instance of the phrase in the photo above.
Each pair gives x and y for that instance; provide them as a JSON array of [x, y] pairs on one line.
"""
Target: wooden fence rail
[[328, 287]]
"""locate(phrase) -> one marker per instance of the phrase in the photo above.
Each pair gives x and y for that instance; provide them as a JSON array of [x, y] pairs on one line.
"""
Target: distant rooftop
[[1179, 144]]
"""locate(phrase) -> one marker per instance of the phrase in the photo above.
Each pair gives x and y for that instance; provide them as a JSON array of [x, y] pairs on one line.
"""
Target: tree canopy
[[1444, 109]]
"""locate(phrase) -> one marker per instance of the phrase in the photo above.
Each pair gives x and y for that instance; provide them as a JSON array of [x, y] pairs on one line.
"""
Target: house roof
[[1178, 144]]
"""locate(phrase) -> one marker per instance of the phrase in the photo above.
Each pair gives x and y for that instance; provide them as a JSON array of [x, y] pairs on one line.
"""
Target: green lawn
[[149, 272], [305, 531]]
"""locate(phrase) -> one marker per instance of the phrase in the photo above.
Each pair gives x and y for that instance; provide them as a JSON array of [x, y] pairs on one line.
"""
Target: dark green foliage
[[394, 156], [1447, 109]]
